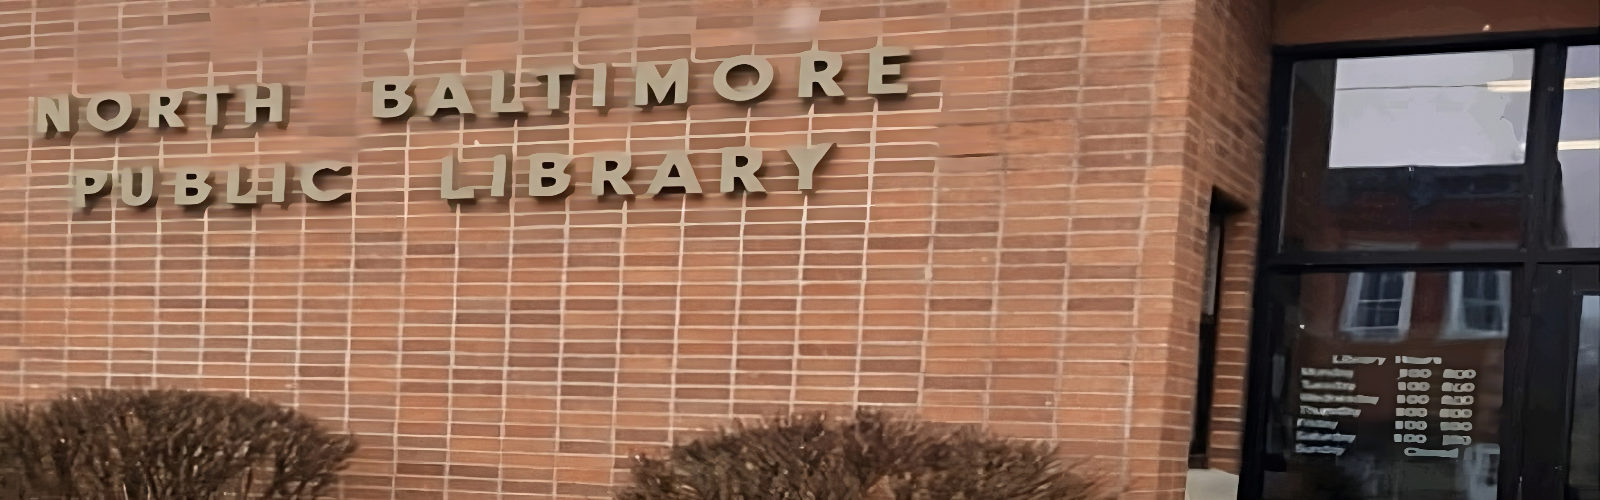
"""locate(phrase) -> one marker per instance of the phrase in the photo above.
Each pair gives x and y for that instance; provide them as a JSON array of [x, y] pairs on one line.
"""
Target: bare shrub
[[966, 463], [812, 452], [161, 444], [873, 455]]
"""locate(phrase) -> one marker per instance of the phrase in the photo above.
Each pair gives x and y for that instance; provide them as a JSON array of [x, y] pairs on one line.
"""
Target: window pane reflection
[[1392, 386], [1479, 304], [1431, 110], [1578, 151], [1412, 149], [1377, 306]]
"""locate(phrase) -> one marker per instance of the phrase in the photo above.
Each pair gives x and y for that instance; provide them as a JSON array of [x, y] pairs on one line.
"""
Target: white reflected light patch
[[1434, 110]]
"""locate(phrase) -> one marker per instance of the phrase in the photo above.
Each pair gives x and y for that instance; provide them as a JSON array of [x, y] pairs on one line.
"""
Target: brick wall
[[1017, 243], [1228, 113]]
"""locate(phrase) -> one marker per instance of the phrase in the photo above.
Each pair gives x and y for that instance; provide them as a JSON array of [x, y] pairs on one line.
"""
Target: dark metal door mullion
[[1547, 413]]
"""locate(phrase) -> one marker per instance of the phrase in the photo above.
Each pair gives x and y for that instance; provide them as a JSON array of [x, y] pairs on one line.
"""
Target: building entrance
[[1427, 305]]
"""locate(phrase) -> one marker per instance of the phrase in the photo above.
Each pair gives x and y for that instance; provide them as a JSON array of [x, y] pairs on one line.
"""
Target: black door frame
[[1539, 162], [1557, 291]]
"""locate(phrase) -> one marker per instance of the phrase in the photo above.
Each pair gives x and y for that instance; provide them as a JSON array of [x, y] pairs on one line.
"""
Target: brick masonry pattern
[[1017, 243]]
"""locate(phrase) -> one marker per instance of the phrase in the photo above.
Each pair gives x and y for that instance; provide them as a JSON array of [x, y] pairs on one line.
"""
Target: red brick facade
[[1017, 243]]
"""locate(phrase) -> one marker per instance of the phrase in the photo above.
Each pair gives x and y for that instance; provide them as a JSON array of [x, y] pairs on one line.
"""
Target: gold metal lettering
[[190, 187], [553, 78], [308, 181], [164, 108], [124, 104], [280, 181], [503, 96], [676, 162], [610, 168], [879, 69], [806, 159], [395, 89], [719, 80], [449, 93], [240, 177], [137, 186], [552, 166], [274, 103], [741, 164], [650, 86], [600, 95], [500, 183], [447, 182], [88, 183], [820, 68], [213, 96], [55, 115]]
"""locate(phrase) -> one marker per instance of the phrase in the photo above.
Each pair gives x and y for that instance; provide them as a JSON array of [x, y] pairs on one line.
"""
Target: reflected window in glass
[[1479, 304], [1377, 306]]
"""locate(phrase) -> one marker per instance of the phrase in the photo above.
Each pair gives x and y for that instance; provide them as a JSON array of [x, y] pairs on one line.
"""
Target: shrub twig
[[164, 444], [873, 455]]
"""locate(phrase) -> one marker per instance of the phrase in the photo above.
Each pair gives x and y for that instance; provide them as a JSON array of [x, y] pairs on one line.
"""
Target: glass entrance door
[[1561, 457], [1394, 384], [1584, 479], [1427, 308]]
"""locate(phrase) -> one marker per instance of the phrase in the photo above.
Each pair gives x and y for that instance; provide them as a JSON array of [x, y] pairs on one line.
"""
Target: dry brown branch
[[163, 444], [873, 455]]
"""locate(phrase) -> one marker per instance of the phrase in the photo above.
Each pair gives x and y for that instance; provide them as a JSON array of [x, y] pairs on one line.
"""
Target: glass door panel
[[1428, 315], [1392, 387], [1584, 439], [1578, 153], [1561, 459]]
